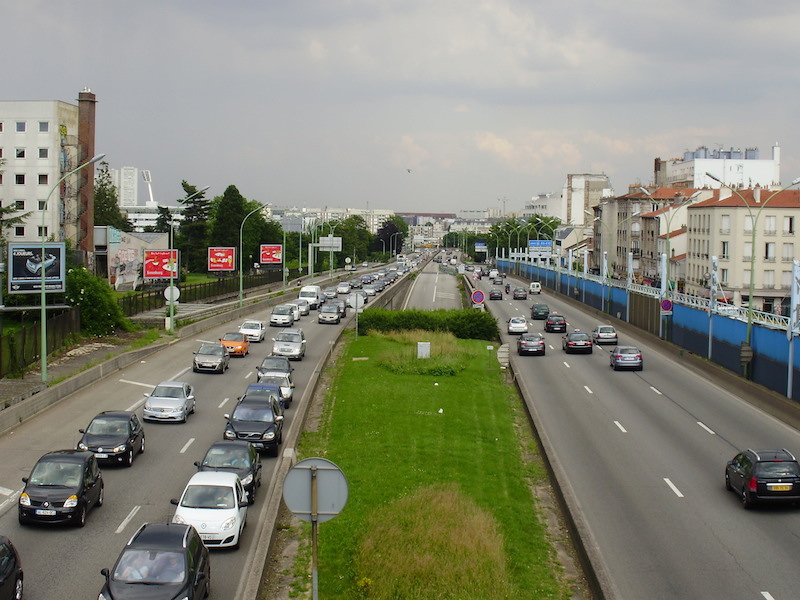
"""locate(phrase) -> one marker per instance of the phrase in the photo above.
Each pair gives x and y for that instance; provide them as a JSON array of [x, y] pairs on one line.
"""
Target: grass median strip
[[440, 475]]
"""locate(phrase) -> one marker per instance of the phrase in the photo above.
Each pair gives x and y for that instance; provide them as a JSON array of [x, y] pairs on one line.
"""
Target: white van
[[535, 288], [312, 293], [494, 273]]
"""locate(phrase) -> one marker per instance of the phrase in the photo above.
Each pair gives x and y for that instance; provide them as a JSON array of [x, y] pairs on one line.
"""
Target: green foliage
[[447, 358], [100, 312], [192, 236], [106, 202], [464, 324]]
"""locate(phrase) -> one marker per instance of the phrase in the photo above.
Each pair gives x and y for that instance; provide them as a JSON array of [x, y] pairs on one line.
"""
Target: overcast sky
[[332, 102]]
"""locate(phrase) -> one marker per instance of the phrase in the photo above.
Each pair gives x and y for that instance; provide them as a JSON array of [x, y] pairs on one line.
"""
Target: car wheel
[[251, 497], [101, 497], [747, 503], [21, 519], [141, 450], [194, 369], [194, 407], [614, 366], [80, 520], [128, 458], [18, 588]]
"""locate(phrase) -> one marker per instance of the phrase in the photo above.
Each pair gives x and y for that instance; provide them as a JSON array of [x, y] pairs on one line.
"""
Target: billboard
[[270, 254], [25, 265], [160, 264], [221, 259]]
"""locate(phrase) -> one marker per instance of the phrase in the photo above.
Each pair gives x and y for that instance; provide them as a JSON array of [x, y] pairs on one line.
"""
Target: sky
[[412, 105]]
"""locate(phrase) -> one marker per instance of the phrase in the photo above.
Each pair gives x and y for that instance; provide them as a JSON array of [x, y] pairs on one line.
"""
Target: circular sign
[[172, 291], [666, 304], [315, 488], [478, 297], [347, 260]]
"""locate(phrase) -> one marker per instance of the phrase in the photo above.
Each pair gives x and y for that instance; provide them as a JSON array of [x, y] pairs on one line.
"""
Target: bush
[[100, 312], [464, 324]]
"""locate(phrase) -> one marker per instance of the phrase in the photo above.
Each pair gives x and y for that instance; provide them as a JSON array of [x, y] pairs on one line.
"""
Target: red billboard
[[271, 254], [160, 264], [221, 259]]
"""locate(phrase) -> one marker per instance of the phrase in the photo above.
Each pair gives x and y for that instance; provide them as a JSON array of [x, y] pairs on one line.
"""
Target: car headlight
[[268, 436], [24, 499], [179, 519], [228, 524], [230, 435], [248, 480], [82, 446], [120, 448], [71, 502], [147, 406]]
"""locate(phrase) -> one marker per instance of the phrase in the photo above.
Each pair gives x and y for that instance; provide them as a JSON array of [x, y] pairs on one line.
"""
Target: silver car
[[604, 334], [254, 330], [305, 306], [329, 313], [211, 357], [282, 316], [627, 357], [169, 401], [290, 343]]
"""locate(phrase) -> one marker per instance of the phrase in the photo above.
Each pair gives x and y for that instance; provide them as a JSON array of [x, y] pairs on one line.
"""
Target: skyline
[[413, 106]]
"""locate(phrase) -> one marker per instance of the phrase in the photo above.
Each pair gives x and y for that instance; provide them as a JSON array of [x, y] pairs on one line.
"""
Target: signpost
[[478, 297], [666, 307]]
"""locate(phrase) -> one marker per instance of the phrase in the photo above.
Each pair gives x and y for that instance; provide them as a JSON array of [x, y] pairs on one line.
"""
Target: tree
[[106, 202], [228, 218], [393, 225], [100, 312], [192, 236], [163, 220], [7, 217]]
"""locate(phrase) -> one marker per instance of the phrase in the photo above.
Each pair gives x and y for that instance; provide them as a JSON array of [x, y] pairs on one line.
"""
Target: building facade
[[734, 167]]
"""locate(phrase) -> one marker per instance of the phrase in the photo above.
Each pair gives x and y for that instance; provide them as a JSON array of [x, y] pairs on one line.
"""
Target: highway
[[644, 454]]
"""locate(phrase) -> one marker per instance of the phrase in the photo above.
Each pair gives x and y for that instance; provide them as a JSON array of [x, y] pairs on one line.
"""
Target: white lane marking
[[621, 428], [135, 405], [178, 374], [586, 387], [566, 364], [706, 427], [127, 519], [248, 375], [186, 446], [12, 499], [6, 491], [674, 489], [551, 346], [434, 293], [656, 391], [223, 402], [767, 595], [147, 385]]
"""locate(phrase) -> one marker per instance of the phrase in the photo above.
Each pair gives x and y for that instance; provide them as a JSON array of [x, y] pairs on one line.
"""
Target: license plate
[[45, 513], [206, 536], [629, 358], [779, 487], [286, 349], [101, 455]]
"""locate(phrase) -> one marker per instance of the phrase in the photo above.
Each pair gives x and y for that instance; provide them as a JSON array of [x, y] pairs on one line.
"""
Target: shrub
[[100, 312], [464, 324]]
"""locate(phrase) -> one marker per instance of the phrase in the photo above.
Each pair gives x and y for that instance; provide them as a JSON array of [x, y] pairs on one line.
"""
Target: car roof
[[766, 455], [114, 414], [70, 456], [213, 478], [230, 444], [292, 330], [160, 535], [172, 383]]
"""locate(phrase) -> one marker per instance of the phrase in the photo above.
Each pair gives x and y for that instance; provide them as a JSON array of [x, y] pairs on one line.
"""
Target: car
[[555, 322], [277, 385], [290, 343], [235, 456], [498, 280], [369, 288], [539, 311], [355, 284], [304, 305], [161, 560], [531, 343], [342, 306], [761, 476], [254, 330], [12, 577], [535, 287], [343, 288], [275, 365], [604, 334], [379, 285], [282, 316], [330, 293], [62, 487], [169, 401], [520, 294], [115, 436], [495, 294], [236, 343], [211, 357], [626, 357], [577, 341], [259, 422], [296, 314], [215, 503], [329, 313], [517, 325]]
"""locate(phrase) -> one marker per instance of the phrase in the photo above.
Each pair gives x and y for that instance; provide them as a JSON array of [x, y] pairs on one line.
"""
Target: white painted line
[[147, 385], [434, 294], [706, 427], [586, 387], [6, 491], [248, 375], [133, 407], [621, 428], [186, 446], [207, 341], [767, 596], [223, 402], [566, 364], [178, 374], [674, 489], [656, 391], [127, 519]]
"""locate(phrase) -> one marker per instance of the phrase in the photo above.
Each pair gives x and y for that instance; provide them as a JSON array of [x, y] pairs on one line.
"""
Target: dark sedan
[[114, 436], [495, 294], [235, 456], [539, 312], [555, 322], [531, 343], [577, 341], [520, 294]]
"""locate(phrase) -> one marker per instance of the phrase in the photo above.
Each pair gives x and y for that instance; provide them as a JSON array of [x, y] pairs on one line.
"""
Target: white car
[[343, 288], [215, 503], [370, 290], [295, 310], [517, 325], [254, 330], [604, 334]]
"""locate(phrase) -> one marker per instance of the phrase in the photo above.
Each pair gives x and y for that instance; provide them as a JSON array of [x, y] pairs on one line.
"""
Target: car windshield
[[150, 567], [232, 337], [778, 469], [167, 391], [251, 325], [579, 336], [628, 351], [56, 473], [281, 310], [518, 320], [272, 363], [605, 329], [106, 426], [208, 496], [237, 458], [210, 350], [252, 413], [288, 337], [331, 308]]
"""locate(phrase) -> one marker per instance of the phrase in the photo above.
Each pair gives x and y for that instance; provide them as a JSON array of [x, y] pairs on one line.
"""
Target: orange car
[[236, 343]]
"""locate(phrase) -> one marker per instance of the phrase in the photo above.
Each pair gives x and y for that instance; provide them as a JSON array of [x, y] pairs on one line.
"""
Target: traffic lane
[[433, 290]]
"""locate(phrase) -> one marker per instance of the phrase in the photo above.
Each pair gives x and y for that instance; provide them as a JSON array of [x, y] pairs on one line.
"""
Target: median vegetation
[[440, 466]]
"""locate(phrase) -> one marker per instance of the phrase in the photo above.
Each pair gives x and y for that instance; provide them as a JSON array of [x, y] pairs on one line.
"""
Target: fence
[[22, 348]]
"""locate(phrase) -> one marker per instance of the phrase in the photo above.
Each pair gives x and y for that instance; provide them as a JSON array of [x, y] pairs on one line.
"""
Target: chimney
[[86, 131], [757, 194]]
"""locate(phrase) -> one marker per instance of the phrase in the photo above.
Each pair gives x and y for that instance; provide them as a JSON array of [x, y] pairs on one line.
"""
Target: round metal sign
[[478, 297], [172, 291], [315, 489], [666, 304]]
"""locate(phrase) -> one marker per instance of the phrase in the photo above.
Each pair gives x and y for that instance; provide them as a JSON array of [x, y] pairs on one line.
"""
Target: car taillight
[[753, 485], [639, 356]]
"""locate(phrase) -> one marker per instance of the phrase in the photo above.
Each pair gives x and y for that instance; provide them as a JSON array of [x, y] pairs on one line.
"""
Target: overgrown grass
[[439, 502]]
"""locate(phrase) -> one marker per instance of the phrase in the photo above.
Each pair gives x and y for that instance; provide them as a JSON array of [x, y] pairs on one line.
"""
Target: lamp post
[[392, 244], [241, 274], [43, 299], [753, 223], [383, 246], [330, 252]]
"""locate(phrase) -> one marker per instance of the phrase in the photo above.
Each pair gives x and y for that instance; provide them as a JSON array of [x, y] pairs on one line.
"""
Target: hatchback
[[259, 422], [330, 293], [113, 436], [604, 334], [282, 316], [764, 476], [290, 343], [211, 357], [531, 343], [517, 325], [520, 294], [237, 343], [329, 313], [254, 330], [11, 575], [215, 503], [627, 357], [161, 560], [343, 288], [62, 487], [304, 305], [235, 456], [555, 322], [169, 401], [539, 312], [577, 341]]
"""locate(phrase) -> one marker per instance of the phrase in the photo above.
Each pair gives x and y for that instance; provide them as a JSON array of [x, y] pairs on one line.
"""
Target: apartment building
[[733, 166]]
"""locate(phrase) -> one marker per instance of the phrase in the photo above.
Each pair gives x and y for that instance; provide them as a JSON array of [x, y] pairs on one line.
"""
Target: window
[[1, 127], [769, 252], [788, 252], [748, 224], [746, 278], [19, 231], [43, 178], [748, 250], [19, 179], [41, 231], [769, 225], [725, 250], [1, 150], [723, 276], [725, 224], [788, 225], [20, 127], [786, 279], [19, 204], [42, 204], [769, 279], [44, 126], [19, 153], [44, 152]]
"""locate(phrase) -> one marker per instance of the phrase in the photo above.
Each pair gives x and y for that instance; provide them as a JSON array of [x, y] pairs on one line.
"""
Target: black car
[[520, 294], [531, 343], [272, 385], [11, 576], [758, 476], [259, 422], [577, 341], [539, 312], [238, 457], [278, 365], [161, 560], [555, 322], [62, 487], [495, 294], [114, 436]]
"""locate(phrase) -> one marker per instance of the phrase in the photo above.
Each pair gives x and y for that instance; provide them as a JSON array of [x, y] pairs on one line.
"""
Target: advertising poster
[[25, 265], [271, 254], [221, 259], [160, 264]]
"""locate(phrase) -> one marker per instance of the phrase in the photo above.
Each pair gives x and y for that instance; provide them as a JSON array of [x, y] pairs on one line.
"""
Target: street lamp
[[392, 244], [241, 230], [330, 253], [43, 326], [753, 222]]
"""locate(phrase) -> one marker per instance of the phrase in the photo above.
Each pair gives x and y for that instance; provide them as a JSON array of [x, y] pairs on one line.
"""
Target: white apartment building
[[724, 226], [127, 183], [735, 168], [581, 193]]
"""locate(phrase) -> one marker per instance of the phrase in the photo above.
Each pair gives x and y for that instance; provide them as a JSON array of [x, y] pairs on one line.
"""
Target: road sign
[[315, 489], [666, 307], [478, 297]]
